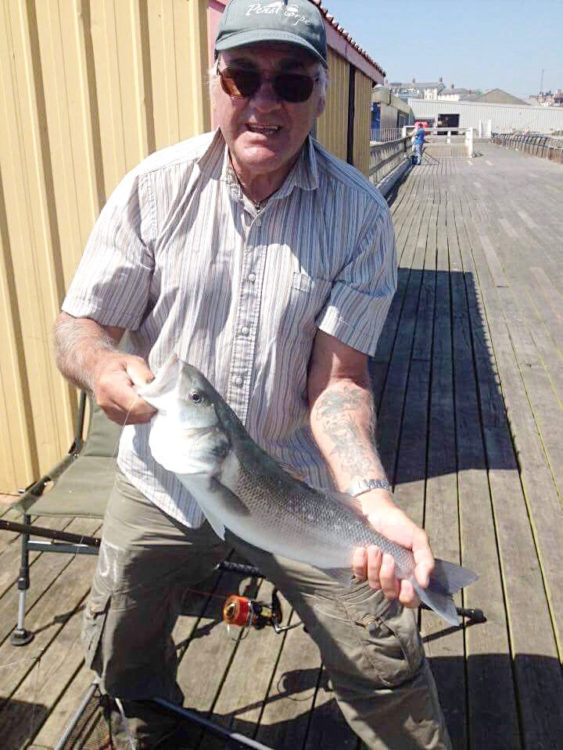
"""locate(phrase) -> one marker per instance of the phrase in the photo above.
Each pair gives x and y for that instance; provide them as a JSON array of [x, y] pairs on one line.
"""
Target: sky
[[474, 44]]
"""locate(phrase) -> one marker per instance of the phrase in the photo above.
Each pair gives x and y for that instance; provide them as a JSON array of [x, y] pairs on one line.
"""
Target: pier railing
[[385, 157], [544, 146]]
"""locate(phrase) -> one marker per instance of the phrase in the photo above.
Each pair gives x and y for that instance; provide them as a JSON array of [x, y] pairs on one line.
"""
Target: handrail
[[385, 157], [536, 144]]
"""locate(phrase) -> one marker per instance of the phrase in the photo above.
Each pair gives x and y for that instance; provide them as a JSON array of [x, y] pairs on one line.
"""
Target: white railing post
[[404, 131], [449, 137], [469, 142]]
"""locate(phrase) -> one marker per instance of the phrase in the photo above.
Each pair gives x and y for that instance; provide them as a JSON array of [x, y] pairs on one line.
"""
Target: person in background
[[270, 265], [418, 140]]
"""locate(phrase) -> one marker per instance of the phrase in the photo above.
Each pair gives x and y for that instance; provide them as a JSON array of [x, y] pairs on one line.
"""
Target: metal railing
[[544, 146], [382, 135], [459, 141], [385, 157]]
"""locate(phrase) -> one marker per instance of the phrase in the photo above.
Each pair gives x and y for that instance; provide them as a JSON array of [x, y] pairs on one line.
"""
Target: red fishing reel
[[243, 612]]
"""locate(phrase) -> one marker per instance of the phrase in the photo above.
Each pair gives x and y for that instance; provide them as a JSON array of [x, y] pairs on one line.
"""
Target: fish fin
[[440, 602], [227, 500], [207, 491], [447, 577], [216, 524], [343, 576]]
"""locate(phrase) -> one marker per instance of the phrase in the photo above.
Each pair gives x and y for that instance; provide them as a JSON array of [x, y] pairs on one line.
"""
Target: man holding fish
[[269, 265]]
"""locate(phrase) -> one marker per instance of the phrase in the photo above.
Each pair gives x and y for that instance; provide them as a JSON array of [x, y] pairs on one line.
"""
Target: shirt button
[[245, 331], [252, 277], [258, 222], [239, 381]]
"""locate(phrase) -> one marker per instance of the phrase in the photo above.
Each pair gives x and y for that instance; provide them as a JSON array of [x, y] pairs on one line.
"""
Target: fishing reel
[[246, 613]]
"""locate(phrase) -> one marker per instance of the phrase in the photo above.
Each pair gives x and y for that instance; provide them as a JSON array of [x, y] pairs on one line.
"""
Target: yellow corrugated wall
[[332, 126], [362, 122], [87, 89]]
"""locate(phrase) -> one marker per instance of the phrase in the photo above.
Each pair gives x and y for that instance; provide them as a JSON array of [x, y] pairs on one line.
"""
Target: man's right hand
[[115, 379], [86, 354]]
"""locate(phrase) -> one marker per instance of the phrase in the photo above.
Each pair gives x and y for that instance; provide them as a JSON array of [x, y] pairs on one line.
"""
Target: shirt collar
[[215, 163]]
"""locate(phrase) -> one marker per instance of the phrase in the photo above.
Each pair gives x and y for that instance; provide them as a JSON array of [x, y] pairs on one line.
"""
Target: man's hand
[[379, 568], [115, 378], [87, 354]]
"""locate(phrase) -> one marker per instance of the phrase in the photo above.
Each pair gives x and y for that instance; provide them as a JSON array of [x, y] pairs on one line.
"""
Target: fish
[[196, 435]]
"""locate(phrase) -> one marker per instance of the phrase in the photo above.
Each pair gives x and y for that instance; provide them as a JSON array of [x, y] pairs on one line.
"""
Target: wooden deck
[[468, 380]]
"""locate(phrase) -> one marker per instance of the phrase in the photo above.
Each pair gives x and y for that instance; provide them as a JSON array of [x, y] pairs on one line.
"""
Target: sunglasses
[[290, 87]]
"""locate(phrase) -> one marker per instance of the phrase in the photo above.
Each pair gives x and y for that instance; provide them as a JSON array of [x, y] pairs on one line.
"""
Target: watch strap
[[364, 485]]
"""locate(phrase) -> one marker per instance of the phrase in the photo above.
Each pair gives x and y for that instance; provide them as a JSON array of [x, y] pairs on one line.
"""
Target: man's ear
[[321, 104]]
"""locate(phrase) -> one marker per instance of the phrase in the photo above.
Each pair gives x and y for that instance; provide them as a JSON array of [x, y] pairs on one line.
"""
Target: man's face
[[264, 133]]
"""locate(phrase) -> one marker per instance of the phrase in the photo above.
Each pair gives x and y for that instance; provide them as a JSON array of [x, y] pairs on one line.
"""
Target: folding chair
[[77, 487]]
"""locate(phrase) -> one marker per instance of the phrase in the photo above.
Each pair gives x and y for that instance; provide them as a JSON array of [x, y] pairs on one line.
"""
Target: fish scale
[[307, 513]]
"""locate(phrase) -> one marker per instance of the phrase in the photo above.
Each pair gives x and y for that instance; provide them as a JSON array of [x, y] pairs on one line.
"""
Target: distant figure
[[418, 143]]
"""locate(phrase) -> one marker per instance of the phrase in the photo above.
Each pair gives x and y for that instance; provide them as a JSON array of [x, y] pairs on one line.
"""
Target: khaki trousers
[[147, 560]]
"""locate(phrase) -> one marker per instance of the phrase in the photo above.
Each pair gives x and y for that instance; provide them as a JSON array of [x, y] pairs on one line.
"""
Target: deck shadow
[[19, 721], [480, 704], [436, 390]]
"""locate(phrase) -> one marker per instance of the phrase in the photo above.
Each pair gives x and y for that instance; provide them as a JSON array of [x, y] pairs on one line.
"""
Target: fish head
[[186, 433]]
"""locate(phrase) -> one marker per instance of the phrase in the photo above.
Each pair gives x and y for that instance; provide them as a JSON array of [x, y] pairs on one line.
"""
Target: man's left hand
[[379, 569]]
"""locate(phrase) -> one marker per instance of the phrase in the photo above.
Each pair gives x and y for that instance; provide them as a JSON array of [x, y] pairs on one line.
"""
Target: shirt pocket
[[307, 298]]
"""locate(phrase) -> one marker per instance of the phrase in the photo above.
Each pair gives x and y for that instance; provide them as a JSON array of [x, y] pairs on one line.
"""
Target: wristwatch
[[363, 485]]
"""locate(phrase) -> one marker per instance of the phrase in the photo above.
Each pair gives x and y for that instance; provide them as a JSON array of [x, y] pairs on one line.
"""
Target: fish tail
[[443, 604], [446, 579]]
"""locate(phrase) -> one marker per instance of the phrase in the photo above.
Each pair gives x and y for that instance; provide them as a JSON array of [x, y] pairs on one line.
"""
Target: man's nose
[[266, 97]]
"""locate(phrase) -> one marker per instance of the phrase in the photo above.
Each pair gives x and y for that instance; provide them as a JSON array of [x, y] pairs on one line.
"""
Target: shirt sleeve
[[362, 293], [112, 282]]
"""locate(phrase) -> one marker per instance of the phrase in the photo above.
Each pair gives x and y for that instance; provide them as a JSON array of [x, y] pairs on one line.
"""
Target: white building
[[504, 118]]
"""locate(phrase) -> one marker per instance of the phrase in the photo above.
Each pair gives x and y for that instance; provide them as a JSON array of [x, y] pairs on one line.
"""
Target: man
[[270, 265], [418, 142]]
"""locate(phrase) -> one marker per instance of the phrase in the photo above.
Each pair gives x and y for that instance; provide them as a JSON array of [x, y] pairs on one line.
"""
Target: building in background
[[548, 99], [415, 89], [496, 96], [389, 115], [89, 89], [488, 117]]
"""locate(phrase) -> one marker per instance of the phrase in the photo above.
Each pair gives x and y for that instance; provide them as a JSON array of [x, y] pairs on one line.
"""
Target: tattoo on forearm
[[346, 415]]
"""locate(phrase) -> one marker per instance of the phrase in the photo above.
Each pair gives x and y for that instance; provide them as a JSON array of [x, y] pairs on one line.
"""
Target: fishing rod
[[239, 611], [55, 534]]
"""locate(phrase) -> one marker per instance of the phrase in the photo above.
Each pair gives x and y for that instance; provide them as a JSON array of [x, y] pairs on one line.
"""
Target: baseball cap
[[296, 22]]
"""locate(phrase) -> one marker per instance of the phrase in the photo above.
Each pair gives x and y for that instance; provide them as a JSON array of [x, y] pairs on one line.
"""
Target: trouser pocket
[[388, 635]]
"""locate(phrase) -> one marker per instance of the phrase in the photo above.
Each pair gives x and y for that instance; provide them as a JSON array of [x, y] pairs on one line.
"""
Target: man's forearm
[[343, 424], [78, 343]]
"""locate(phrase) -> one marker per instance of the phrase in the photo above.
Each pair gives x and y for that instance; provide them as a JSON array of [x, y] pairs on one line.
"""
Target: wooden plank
[[444, 645], [285, 718], [35, 687], [532, 642], [492, 706], [405, 223]]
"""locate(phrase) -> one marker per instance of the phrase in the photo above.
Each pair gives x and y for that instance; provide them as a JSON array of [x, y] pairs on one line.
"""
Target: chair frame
[[59, 541]]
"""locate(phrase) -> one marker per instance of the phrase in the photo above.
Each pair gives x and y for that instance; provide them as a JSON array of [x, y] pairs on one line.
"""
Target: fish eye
[[196, 397]]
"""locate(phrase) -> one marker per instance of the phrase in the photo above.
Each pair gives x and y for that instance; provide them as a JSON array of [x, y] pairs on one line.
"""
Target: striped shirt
[[184, 261]]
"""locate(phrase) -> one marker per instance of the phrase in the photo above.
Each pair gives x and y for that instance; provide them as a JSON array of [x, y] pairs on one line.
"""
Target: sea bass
[[239, 487]]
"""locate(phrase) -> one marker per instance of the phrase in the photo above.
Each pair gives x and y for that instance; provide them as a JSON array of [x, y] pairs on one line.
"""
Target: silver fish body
[[241, 488]]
